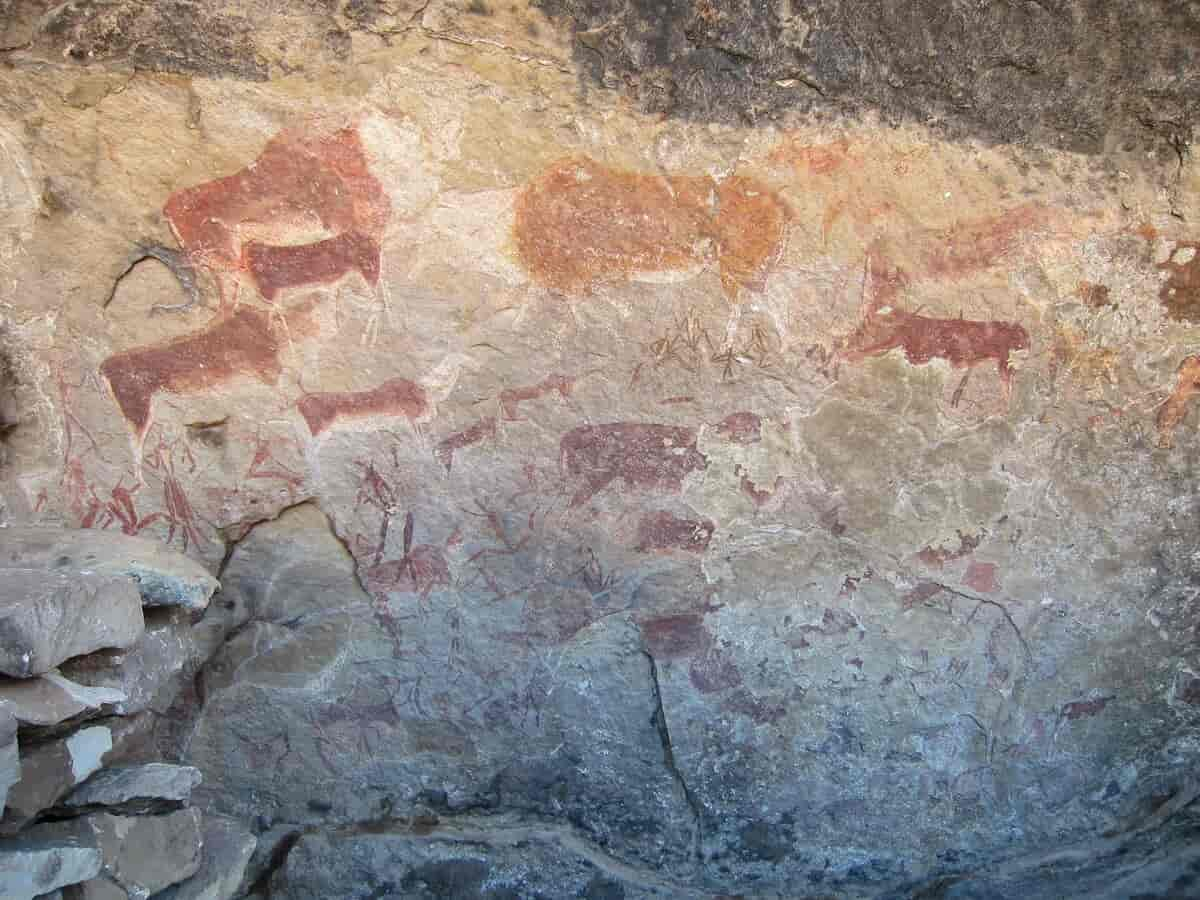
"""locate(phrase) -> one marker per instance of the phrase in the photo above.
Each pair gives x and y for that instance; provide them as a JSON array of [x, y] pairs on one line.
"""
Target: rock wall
[[798, 500]]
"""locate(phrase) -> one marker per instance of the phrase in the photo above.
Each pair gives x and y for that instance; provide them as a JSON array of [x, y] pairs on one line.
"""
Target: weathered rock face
[[715, 507]]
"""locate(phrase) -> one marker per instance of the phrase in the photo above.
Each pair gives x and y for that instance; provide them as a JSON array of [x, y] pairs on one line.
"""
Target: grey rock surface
[[50, 770], [101, 888], [227, 849], [123, 784], [31, 867], [164, 577], [51, 698], [471, 860], [152, 672], [53, 767], [141, 855], [48, 615], [10, 757]]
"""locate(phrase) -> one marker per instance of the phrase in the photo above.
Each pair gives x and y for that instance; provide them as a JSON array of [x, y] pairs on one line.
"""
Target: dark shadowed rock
[[49, 616]]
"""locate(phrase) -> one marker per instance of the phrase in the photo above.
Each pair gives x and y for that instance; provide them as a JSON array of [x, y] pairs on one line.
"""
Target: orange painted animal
[[582, 223]]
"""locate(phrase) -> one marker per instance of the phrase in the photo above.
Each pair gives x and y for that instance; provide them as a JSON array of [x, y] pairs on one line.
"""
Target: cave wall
[[736, 435]]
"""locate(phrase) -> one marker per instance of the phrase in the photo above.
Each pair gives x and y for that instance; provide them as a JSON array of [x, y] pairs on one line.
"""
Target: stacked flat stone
[[95, 636]]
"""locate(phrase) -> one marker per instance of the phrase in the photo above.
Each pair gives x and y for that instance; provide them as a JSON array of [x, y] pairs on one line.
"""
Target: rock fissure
[[659, 721]]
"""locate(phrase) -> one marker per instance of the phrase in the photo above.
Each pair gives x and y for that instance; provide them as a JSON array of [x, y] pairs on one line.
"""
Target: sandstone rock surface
[[48, 616], [587, 434]]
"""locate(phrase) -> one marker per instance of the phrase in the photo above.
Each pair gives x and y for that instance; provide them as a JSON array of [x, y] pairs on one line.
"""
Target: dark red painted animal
[[512, 397], [961, 342], [652, 457], [395, 397], [261, 220], [473, 435], [245, 342]]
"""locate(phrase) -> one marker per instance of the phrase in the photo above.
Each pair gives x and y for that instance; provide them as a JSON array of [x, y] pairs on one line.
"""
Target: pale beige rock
[[48, 616], [163, 576]]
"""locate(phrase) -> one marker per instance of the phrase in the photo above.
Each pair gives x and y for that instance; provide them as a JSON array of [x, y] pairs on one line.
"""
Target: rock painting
[[582, 223], [512, 397], [650, 457], [447, 447], [741, 428], [661, 530], [423, 567], [244, 343], [1173, 411], [394, 397], [1180, 293], [961, 342], [306, 211], [969, 247]]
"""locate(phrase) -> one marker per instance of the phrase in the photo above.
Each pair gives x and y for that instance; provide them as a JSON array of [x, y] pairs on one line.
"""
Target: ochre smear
[[1172, 412], [961, 342], [582, 223], [655, 457], [242, 343], [297, 182], [395, 397]]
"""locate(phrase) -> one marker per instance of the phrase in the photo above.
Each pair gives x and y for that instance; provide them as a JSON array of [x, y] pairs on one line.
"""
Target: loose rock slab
[[49, 616], [49, 771], [51, 698], [163, 576], [152, 671], [227, 849], [153, 781], [140, 854], [29, 868]]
